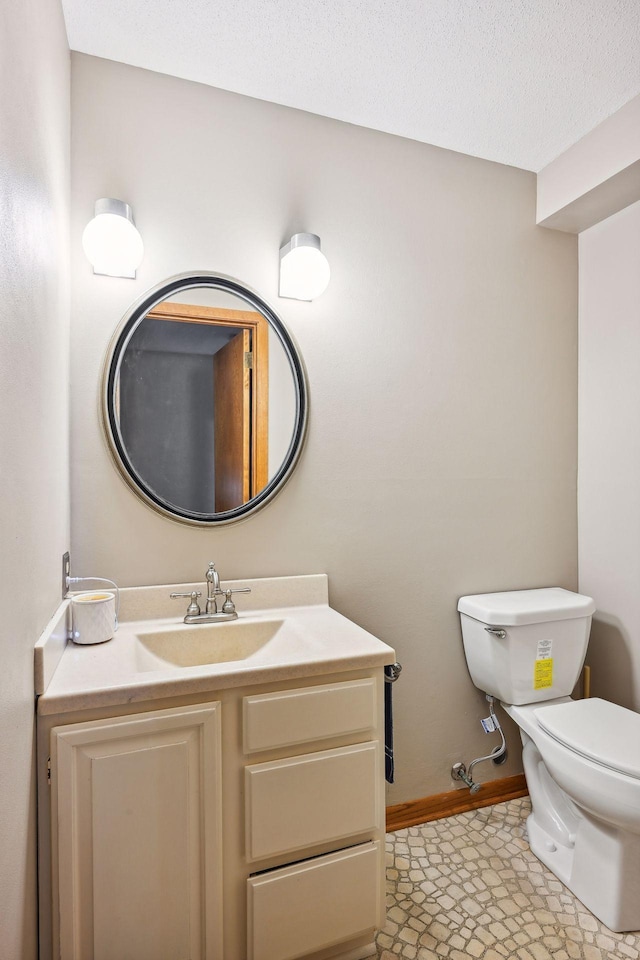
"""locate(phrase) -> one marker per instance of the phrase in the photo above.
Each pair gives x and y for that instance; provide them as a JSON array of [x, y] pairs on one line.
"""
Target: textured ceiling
[[517, 81]]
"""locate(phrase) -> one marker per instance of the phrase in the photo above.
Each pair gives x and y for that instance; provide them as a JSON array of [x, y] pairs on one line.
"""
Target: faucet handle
[[229, 606], [194, 609], [222, 591]]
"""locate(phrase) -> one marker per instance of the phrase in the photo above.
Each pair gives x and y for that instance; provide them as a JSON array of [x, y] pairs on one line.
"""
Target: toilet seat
[[596, 729]]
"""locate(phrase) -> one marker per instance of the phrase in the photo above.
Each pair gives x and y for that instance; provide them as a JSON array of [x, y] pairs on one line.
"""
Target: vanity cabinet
[[249, 826]]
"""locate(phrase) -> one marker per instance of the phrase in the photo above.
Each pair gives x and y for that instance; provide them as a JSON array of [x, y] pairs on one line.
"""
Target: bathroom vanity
[[213, 792]]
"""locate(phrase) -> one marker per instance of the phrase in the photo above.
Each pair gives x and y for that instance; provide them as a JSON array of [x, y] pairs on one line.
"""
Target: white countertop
[[310, 639]]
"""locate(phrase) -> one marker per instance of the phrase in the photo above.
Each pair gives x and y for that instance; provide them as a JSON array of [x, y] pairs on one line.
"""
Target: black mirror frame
[[116, 349]]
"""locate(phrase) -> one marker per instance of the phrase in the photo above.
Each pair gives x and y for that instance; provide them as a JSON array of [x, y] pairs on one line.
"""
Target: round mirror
[[204, 399]]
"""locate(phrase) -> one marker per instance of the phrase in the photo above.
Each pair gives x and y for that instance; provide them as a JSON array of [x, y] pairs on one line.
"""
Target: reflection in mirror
[[204, 401]]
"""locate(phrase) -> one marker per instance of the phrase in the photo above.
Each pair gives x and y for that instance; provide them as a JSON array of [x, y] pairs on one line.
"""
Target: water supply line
[[498, 755], [459, 772]]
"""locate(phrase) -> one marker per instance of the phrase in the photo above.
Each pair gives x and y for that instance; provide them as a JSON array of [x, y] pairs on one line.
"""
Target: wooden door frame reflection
[[259, 328]]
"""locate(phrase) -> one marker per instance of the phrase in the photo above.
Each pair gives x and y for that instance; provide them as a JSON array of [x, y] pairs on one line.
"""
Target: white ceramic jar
[[93, 617]]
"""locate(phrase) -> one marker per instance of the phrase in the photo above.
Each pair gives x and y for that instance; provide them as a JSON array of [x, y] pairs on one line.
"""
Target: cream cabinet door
[[136, 806]]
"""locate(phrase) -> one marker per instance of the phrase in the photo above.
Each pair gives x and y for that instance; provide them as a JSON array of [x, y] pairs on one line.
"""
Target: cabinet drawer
[[290, 717], [315, 904], [302, 801]]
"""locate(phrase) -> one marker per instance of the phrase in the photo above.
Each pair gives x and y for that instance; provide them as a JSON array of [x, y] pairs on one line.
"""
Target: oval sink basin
[[198, 644]]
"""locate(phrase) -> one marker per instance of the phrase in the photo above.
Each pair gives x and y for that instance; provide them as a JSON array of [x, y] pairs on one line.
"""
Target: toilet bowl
[[585, 819], [581, 757]]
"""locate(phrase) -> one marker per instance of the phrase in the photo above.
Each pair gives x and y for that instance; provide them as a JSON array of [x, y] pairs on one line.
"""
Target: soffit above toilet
[[596, 729], [517, 83]]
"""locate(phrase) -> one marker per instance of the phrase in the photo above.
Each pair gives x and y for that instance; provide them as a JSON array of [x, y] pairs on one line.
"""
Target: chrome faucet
[[211, 614]]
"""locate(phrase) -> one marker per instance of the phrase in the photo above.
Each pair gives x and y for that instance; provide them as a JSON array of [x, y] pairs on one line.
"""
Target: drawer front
[[290, 717], [302, 801], [315, 904]]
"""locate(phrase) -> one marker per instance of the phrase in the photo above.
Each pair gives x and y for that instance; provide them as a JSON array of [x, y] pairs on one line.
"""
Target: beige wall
[[609, 444], [34, 310], [441, 457]]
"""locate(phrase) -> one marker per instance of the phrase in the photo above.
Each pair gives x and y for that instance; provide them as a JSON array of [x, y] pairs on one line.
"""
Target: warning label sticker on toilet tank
[[544, 650], [543, 674]]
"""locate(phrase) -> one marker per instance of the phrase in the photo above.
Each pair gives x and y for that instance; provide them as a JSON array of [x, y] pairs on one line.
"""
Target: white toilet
[[581, 757]]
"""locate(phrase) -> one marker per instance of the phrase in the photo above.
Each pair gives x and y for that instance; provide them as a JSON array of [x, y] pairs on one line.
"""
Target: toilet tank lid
[[517, 607], [596, 729]]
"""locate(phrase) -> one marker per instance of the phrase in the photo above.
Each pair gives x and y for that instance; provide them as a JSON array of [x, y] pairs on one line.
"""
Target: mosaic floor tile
[[469, 886]]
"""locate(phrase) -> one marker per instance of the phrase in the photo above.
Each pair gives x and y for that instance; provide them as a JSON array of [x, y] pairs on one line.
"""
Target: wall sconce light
[[304, 269], [111, 241]]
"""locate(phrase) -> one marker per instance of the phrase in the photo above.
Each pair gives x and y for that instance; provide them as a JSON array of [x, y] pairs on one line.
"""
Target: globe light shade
[[304, 269], [111, 241]]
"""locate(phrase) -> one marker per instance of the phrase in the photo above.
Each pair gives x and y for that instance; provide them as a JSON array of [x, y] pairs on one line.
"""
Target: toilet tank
[[524, 646]]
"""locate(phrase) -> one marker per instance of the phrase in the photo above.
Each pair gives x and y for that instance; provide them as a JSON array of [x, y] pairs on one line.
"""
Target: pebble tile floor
[[468, 886]]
